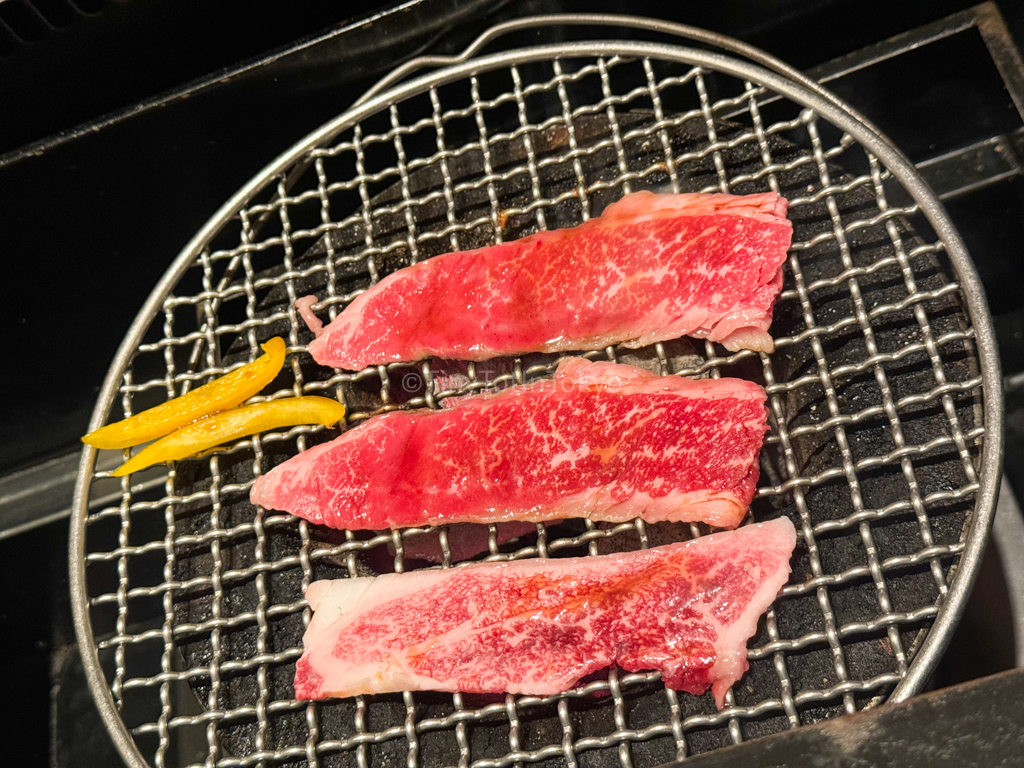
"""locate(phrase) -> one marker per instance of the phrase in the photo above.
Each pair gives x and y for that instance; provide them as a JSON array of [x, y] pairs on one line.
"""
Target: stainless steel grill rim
[[968, 282], [614, 21]]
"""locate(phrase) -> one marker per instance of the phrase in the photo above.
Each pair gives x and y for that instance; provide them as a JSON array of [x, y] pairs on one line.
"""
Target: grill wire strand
[[539, 106]]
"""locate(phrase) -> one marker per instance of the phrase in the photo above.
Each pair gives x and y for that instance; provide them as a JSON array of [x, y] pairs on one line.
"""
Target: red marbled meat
[[652, 267], [539, 626], [600, 440]]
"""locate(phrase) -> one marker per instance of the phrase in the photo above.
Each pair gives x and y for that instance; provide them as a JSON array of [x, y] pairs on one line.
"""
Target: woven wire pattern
[[874, 396]]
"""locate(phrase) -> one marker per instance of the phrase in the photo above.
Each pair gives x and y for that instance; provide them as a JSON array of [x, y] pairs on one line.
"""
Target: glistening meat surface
[[600, 440], [539, 626], [652, 267]]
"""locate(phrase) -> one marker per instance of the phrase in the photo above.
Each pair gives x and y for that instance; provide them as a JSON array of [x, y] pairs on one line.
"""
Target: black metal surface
[[103, 55], [81, 741], [979, 723], [35, 628]]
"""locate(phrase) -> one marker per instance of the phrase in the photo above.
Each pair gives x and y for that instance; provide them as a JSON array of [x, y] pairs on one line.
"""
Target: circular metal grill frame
[[827, 108]]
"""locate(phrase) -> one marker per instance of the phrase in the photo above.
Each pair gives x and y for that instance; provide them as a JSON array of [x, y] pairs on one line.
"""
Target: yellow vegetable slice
[[218, 395], [230, 425]]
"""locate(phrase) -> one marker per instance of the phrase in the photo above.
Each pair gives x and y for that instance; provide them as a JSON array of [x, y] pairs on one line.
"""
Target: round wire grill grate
[[188, 600]]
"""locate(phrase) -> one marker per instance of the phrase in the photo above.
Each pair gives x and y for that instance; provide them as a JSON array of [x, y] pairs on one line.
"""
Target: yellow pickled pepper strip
[[230, 425], [218, 395]]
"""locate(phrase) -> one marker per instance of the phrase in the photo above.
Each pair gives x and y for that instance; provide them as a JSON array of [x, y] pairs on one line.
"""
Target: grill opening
[[875, 398]]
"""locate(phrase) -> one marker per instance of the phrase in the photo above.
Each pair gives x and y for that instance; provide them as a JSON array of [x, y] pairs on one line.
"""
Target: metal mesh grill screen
[[874, 395]]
